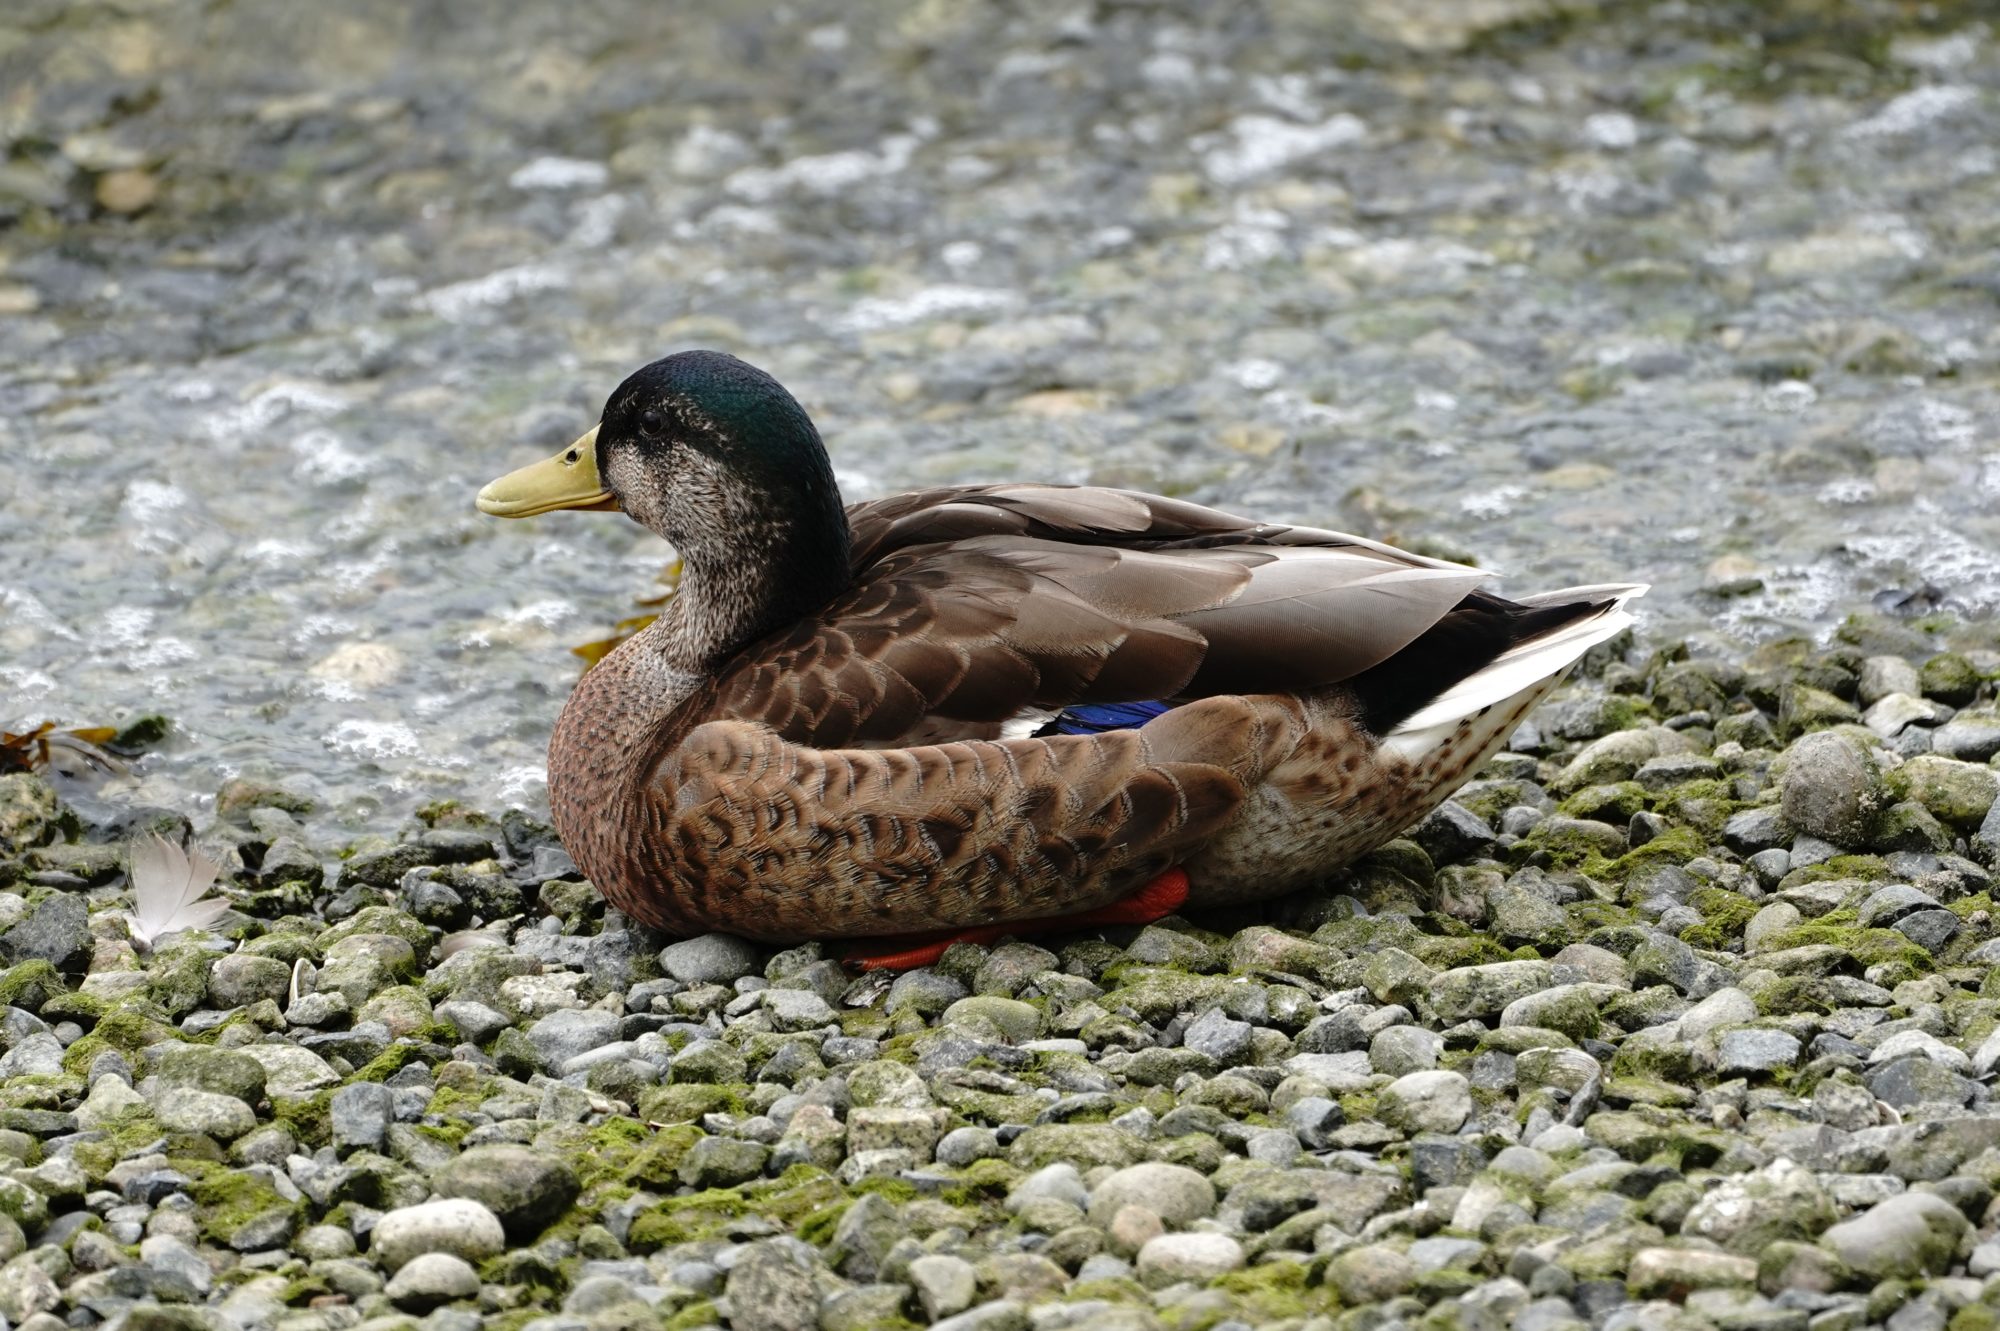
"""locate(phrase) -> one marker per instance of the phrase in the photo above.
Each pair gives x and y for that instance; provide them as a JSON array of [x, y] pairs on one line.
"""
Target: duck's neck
[[761, 580]]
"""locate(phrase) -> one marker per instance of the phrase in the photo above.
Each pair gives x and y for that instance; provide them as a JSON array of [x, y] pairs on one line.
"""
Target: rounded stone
[[242, 978], [1398, 1050], [944, 1284], [1176, 1194], [1172, 1258], [1373, 1273], [526, 1189], [219, 1071], [457, 1225], [1015, 1020], [1057, 1182], [1906, 1237], [711, 959], [221, 1117], [1752, 1052], [1426, 1102], [773, 1286], [1132, 1229], [567, 1032], [431, 1279], [1829, 789]]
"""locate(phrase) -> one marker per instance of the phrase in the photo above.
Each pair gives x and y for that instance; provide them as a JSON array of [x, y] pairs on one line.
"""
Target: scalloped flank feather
[[170, 889]]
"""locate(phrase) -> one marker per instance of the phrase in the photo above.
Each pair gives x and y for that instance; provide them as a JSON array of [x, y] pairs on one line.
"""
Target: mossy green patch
[[228, 1199], [1568, 843], [1676, 845], [803, 1196], [1358, 1106], [651, 1160], [127, 1028], [1723, 915], [990, 1107], [530, 1268], [125, 1138], [981, 1185], [450, 813], [30, 984], [1613, 803], [1704, 805], [1277, 1291], [177, 978], [1868, 947], [817, 1227], [81, 1008], [688, 1101], [1867, 868], [308, 1118], [390, 1061], [694, 1316], [1450, 953]]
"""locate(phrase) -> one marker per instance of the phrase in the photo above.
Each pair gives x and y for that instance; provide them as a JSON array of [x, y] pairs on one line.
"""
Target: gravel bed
[[1682, 1014]]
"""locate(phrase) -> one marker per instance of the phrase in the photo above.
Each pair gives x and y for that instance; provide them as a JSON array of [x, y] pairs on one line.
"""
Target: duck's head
[[708, 452]]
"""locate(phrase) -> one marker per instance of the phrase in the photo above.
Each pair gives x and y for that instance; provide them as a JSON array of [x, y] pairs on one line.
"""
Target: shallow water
[[1679, 295]]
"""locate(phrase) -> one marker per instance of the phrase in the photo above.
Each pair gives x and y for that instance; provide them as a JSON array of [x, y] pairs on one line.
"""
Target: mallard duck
[[999, 708]]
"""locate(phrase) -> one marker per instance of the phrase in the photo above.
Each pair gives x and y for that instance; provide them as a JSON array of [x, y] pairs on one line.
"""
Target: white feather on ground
[[170, 889]]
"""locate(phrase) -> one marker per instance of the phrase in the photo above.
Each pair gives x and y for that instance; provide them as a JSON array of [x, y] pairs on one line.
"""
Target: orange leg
[[1158, 899]]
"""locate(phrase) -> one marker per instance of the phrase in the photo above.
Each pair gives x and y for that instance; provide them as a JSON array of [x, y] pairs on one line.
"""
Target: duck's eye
[[650, 422]]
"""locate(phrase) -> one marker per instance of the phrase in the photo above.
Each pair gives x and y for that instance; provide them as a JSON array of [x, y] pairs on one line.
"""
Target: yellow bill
[[567, 480]]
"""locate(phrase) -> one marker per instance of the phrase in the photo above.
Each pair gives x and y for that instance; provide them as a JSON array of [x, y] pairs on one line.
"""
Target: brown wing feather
[[807, 842]]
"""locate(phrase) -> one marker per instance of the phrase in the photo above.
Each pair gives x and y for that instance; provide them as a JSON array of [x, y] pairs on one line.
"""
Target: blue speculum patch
[[1096, 718]]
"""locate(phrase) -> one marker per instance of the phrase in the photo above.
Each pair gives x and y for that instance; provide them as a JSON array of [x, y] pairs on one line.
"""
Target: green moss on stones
[[127, 1028], [686, 1102], [1278, 1291], [1868, 947], [229, 1200], [1723, 915], [389, 1062], [30, 985], [308, 1118], [804, 1196], [1613, 803], [693, 1317], [1440, 953], [652, 1160], [1676, 845]]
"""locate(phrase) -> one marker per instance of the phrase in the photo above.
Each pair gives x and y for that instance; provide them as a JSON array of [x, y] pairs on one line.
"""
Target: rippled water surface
[[1704, 295]]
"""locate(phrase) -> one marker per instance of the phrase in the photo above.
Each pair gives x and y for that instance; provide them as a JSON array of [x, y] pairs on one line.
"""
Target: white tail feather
[[1534, 665]]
